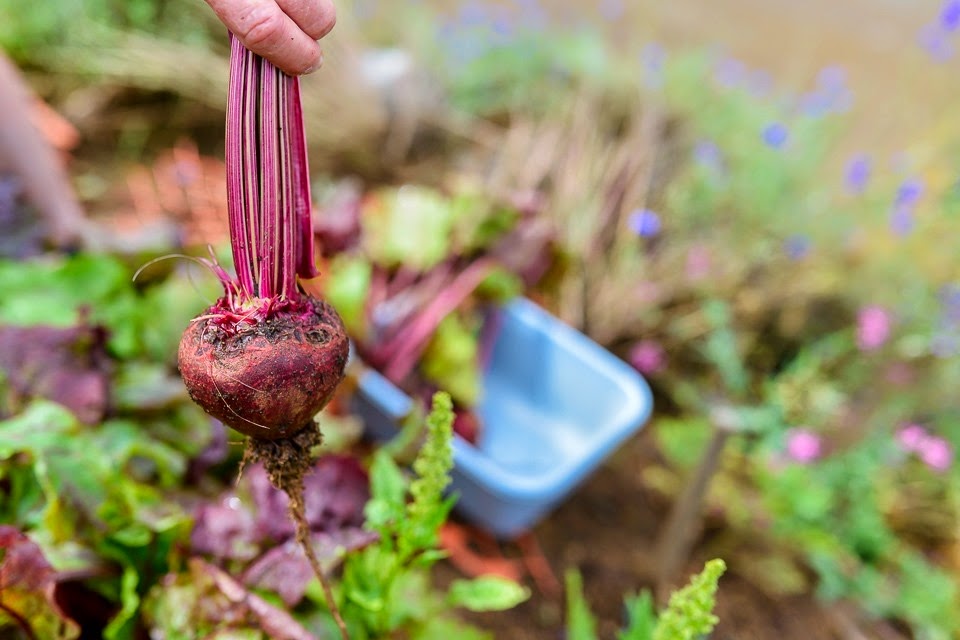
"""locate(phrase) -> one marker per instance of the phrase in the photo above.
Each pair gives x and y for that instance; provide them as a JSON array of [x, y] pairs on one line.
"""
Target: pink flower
[[648, 357], [803, 446], [911, 436], [933, 451], [936, 453], [873, 327]]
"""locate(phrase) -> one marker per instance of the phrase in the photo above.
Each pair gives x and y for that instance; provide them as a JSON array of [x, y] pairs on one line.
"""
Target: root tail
[[287, 461]]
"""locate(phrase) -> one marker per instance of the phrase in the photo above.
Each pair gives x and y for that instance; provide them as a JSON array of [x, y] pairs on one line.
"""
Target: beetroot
[[269, 379], [265, 358]]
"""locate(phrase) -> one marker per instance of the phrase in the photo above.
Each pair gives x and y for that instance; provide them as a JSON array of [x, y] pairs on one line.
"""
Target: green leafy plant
[[93, 500], [688, 615], [385, 587]]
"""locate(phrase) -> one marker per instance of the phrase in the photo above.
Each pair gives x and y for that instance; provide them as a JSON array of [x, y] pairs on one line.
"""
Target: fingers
[[315, 17], [284, 33]]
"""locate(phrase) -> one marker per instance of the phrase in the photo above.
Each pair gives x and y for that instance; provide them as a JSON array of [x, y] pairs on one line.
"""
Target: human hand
[[285, 32]]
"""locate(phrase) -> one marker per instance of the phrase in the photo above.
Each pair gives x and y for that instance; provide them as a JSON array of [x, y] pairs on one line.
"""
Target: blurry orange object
[[58, 131], [456, 540]]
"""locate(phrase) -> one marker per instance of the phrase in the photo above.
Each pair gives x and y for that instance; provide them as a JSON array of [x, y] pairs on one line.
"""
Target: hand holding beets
[[285, 32]]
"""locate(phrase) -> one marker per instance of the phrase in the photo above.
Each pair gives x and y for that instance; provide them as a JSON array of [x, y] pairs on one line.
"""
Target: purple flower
[[832, 77], [901, 221], [874, 326], [775, 135], [797, 246], [815, 104], [857, 173], [909, 193], [936, 453], [707, 154], [933, 39], [729, 72], [803, 445], [644, 222], [503, 26], [950, 16], [652, 58], [831, 94], [648, 357]]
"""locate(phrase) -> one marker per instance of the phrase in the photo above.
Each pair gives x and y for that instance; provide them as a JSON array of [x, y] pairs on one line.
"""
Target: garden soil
[[608, 530]]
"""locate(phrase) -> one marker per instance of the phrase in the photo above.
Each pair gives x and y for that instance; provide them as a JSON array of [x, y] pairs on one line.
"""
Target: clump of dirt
[[287, 460]]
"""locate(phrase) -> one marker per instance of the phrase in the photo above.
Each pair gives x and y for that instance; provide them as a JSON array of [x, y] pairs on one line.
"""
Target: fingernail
[[316, 65]]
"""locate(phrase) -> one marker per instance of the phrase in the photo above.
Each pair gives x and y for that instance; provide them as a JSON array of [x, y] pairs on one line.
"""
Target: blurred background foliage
[[756, 204]]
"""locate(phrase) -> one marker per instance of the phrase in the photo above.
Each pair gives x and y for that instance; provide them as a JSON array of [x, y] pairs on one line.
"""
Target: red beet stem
[[268, 182], [241, 166], [306, 267], [405, 349]]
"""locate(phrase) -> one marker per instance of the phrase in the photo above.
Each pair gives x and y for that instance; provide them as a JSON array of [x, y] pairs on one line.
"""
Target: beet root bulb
[[266, 379]]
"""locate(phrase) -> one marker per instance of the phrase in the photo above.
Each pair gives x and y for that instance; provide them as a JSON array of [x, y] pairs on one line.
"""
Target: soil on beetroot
[[608, 529]]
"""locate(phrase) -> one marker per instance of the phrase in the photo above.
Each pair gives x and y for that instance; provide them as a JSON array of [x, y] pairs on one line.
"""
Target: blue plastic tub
[[555, 405]]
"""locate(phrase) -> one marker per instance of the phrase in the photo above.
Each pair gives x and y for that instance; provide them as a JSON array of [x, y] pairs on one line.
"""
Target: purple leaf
[[338, 226], [21, 232], [334, 493], [224, 530], [275, 622], [528, 250], [286, 571], [27, 583], [213, 454], [68, 366]]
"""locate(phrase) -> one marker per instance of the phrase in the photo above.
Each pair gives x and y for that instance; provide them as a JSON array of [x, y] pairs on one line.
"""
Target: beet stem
[[306, 267], [237, 164], [268, 183], [405, 348]]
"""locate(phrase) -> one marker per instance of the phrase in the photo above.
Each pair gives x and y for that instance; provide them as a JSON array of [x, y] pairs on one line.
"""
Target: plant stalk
[[678, 535]]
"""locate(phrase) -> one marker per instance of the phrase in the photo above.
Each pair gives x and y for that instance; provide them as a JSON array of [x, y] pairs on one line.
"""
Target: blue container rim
[[501, 481]]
